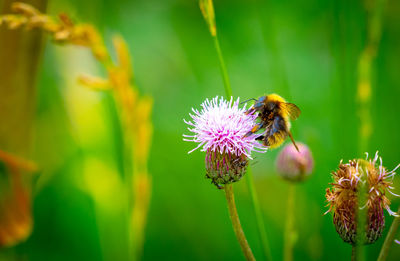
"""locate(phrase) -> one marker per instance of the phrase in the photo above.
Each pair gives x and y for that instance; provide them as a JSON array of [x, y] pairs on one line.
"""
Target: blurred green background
[[307, 51]]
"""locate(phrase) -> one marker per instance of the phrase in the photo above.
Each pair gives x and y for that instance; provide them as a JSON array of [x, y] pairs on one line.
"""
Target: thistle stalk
[[364, 92], [237, 227], [207, 10], [358, 249], [289, 236], [389, 238], [294, 164], [227, 85], [354, 253]]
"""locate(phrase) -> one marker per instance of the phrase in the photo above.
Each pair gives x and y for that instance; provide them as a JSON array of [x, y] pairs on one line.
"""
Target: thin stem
[[229, 189], [364, 91], [353, 253], [366, 70], [227, 85], [389, 238], [289, 229], [236, 223], [257, 211], [362, 214]]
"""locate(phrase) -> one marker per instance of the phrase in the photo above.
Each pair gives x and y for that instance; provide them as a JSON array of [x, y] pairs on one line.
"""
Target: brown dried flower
[[343, 197]]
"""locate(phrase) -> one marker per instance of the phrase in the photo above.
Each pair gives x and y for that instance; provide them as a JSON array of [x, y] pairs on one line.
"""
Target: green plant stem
[[366, 71], [229, 189], [364, 91], [236, 223], [353, 253], [227, 85], [289, 236], [362, 214], [257, 211], [389, 238], [361, 221]]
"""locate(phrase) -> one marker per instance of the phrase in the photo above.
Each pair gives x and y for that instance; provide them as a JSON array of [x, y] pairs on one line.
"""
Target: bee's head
[[270, 106], [259, 104]]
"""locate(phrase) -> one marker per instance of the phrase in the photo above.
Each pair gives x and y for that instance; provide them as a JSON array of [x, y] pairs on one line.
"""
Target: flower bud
[[343, 198], [224, 168], [295, 165]]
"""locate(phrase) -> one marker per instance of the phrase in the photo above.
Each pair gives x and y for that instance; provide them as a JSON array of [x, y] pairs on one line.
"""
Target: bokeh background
[[307, 51]]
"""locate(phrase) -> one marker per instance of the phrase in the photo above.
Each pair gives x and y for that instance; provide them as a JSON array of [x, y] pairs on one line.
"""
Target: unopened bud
[[295, 165]]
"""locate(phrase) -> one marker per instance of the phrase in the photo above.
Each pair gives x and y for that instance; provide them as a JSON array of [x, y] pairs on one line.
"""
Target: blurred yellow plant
[[15, 204], [365, 69], [62, 31], [103, 183], [134, 109], [207, 9]]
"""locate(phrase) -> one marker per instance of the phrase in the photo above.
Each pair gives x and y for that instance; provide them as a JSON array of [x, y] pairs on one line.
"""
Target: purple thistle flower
[[219, 129]]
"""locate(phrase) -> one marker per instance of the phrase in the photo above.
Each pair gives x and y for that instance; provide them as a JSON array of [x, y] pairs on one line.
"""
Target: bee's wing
[[293, 111]]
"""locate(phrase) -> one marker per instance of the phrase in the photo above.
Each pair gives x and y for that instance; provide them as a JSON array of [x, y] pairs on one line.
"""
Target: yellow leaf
[[94, 82], [207, 9], [124, 58]]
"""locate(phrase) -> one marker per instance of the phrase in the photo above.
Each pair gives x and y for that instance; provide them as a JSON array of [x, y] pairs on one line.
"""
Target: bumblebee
[[274, 114]]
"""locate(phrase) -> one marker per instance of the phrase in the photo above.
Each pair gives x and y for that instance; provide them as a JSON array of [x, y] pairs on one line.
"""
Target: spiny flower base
[[374, 229], [343, 199], [225, 168]]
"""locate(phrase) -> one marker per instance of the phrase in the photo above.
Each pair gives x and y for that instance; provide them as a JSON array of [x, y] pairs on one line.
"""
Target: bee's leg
[[260, 138], [250, 111], [266, 141], [256, 107], [256, 128], [294, 143]]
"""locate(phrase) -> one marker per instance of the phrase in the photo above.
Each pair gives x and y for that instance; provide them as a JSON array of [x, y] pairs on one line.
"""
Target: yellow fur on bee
[[276, 140], [275, 98], [281, 101]]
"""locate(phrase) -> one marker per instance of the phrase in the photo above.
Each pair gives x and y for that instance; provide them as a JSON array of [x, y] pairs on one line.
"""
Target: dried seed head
[[295, 165], [342, 197]]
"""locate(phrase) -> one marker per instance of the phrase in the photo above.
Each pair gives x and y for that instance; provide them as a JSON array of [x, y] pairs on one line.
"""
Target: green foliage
[[307, 51]]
